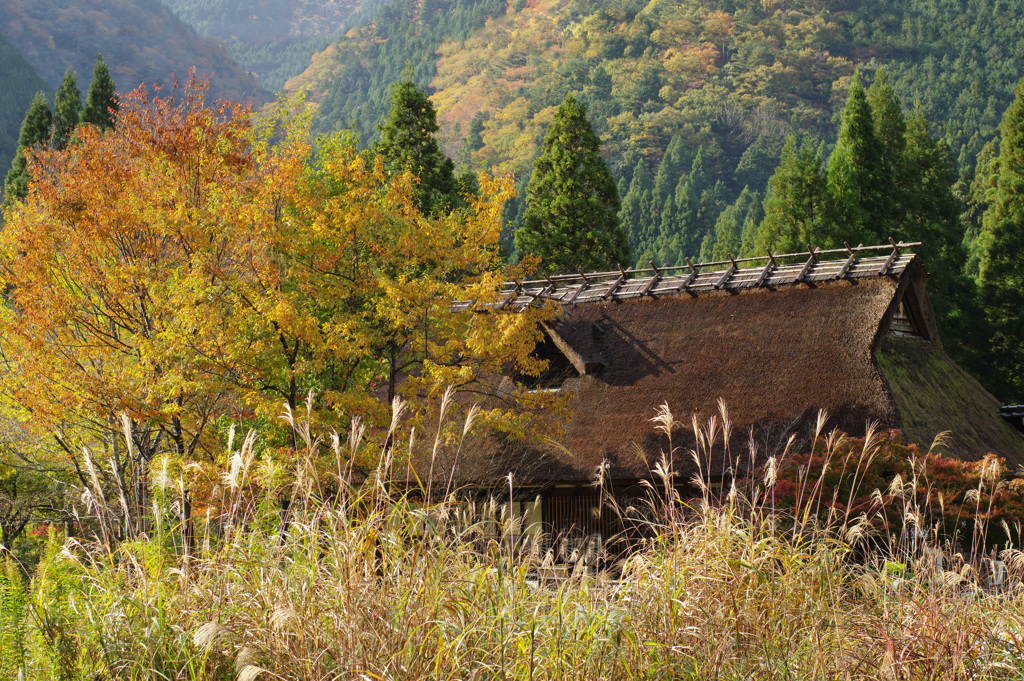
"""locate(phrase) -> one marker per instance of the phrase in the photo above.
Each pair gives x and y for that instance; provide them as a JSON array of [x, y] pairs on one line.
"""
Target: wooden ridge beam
[[665, 271]]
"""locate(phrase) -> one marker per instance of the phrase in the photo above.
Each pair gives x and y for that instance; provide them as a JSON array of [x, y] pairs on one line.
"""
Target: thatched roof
[[932, 395], [854, 336]]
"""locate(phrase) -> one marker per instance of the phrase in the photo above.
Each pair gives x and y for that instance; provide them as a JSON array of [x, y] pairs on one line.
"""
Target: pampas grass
[[373, 584]]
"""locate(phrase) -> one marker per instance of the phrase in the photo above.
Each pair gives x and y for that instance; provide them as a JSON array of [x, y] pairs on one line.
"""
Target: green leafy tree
[[67, 111], [1002, 242], [102, 102], [571, 218], [407, 142], [35, 132]]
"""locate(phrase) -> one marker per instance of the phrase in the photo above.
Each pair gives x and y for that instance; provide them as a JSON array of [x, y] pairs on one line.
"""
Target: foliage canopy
[[202, 263]]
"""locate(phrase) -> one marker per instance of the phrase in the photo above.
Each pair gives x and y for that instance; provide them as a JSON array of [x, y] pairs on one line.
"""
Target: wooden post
[[890, 260], [614, 287], [689, 279], [728, 273], [849, 262], [807, 267], [768, 267], [583, 287], [653, 282]]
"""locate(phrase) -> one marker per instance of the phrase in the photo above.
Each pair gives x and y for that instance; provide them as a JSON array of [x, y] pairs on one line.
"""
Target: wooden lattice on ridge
[[812, 265]]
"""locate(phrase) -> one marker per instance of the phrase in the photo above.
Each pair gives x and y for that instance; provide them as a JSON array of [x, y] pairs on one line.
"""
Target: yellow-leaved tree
[[200, 264]]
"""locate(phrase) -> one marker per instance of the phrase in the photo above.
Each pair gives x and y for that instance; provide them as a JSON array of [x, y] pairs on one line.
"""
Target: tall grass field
[[366, 582]]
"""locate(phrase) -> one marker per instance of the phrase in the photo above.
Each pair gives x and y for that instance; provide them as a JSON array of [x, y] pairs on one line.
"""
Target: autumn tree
[[198, 263], [571, 220]]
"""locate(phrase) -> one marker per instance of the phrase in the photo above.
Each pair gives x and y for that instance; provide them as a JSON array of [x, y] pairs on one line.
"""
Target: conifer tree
[[751, 223], [728, 238], [671, 168], [67, 111], [891, 131], [650, 217], [889, 121], [1002, 242], [931, 215], [571, 219], [35, 131], [707, 247], [642, 180], [668, 234], [630, 217], [694, 182], [101, 102], [407, 142], [797, 203], [858, 179], [698, 206], [758, 162], [978, 189]]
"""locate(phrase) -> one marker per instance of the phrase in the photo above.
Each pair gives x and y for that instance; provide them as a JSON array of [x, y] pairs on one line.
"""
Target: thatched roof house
[[848, 331]]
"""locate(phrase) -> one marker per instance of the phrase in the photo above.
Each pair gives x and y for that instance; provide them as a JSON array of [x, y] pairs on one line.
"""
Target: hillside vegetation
[[728, 79], [273, 39], [21, 83], [141, 41], [351, 80]]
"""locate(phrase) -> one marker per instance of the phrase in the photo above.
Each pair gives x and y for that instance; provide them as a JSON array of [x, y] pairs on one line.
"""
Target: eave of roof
[[814, 266]]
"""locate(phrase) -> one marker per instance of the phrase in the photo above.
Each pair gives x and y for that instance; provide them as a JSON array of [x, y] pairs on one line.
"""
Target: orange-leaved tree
[[199, 263]]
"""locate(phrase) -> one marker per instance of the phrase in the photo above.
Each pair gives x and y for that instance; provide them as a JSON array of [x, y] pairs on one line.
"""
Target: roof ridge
[[814, 252], [593, 287]]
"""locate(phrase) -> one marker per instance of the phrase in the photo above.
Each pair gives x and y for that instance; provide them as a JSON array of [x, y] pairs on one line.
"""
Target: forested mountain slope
[[351, 79], [726, 78], [20, 83], [141, 41], [274, 39]]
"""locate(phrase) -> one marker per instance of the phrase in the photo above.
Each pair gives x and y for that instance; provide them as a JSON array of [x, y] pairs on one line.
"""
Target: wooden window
[[559, 368], [903, 322]]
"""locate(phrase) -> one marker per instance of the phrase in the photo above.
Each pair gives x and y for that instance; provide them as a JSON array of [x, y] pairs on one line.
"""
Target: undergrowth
[[364, 582]]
